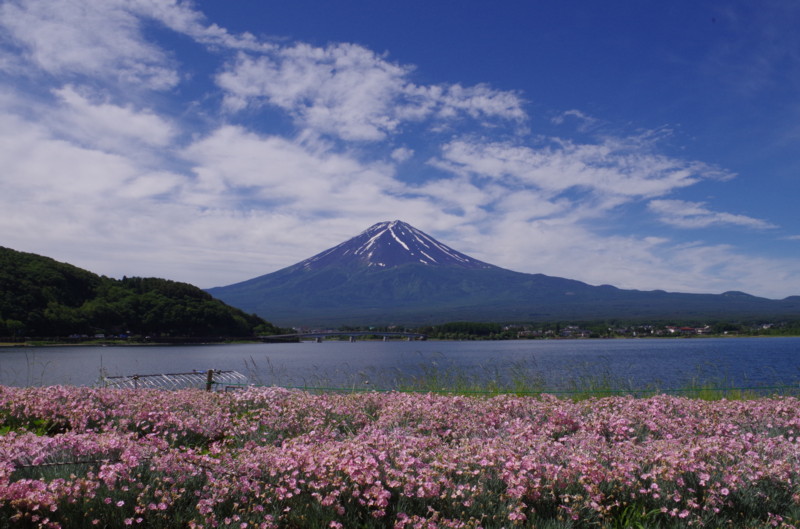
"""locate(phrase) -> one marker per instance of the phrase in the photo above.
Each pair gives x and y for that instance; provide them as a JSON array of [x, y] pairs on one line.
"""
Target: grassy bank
[[445, 376]]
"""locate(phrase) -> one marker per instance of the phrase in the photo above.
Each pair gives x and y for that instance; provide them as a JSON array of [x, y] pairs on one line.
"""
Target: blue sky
[[647, 145]]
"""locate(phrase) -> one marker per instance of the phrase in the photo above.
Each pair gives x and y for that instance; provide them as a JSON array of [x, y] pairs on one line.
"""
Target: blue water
[[555, 365]]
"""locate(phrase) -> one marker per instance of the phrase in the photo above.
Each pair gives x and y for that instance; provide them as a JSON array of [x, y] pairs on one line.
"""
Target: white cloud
[[718, 268], [41, 169], [401, 154], [555, 245], [62, 199], [685, 214], [613, 167], [459, 196], [585, 122], [349, 91], [109, 126], [182, 18], [101, 39], [105, 39], [232, 161], [344, 89], [527, 206], [480, 101]]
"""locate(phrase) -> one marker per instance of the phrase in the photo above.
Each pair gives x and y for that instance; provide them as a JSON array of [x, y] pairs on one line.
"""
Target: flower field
[[268, 457]]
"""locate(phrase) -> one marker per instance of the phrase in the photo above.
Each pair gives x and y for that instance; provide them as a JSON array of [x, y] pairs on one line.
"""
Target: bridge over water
[[352, 335]]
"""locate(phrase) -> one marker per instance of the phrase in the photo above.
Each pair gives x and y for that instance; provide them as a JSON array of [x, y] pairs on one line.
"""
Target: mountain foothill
[[41, 297]]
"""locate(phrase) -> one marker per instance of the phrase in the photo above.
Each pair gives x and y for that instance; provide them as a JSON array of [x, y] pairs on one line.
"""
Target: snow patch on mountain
[[390, 244]]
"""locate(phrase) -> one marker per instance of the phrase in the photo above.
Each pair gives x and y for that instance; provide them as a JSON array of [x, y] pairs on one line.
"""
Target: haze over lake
[[557, 365]]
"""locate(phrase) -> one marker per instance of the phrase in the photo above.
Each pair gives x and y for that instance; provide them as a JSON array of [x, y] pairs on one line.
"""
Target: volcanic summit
[[391, 244]]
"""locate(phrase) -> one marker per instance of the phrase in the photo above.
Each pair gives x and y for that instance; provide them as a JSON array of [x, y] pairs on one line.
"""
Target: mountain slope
[[389, 245], [394, 273], [41, 297]]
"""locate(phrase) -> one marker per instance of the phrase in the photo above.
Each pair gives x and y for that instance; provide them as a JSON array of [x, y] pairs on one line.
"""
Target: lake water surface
[[551, 364]]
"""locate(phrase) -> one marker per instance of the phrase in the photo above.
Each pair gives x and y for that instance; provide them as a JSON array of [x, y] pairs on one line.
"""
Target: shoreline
[[36, 343]]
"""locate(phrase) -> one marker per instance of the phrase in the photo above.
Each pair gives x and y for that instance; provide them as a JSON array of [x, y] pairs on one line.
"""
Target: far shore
[[178, 343]]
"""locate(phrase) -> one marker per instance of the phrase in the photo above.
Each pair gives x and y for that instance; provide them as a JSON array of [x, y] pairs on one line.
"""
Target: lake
[[549, 364]]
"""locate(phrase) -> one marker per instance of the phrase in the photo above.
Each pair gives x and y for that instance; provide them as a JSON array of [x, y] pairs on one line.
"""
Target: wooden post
[[209, 379]]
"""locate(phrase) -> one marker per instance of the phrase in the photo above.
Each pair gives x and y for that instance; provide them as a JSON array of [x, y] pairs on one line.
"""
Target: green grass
[[519, 378]]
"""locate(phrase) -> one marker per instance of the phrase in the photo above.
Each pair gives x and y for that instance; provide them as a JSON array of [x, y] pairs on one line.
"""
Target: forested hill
[[41, 297]]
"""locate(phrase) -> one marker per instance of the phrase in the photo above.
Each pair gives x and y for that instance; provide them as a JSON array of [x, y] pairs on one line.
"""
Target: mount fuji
[[389, 245], [393, 273]]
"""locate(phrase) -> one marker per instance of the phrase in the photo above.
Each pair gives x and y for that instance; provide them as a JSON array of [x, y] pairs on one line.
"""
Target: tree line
[[41, 297], [472, 330]]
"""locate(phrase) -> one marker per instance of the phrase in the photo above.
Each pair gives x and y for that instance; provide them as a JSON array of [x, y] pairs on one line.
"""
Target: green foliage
[[40, 297], [462, 330]]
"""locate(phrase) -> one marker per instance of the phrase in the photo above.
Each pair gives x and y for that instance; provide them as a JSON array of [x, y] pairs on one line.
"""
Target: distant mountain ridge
[[395, 273]]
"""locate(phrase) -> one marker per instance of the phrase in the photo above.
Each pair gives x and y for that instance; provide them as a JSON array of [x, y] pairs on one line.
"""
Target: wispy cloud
[[401, 154], [106, 125], [350, 92], [98, 39], [106, 39], [614, 166], [761, 51], [585, 122], [685, 214]]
